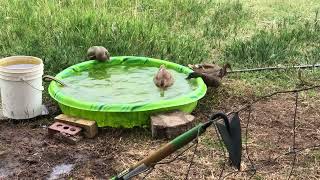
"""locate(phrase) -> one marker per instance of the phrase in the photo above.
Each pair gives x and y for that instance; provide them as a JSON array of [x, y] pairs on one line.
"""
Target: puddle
[[45, 110], [59, 170], [4, 173]]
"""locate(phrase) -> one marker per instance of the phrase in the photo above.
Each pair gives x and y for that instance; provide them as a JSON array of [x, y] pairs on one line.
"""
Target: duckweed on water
[[123, 85]]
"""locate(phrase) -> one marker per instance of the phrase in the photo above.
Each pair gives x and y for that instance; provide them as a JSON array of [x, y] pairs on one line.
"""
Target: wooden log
[[170, 125]]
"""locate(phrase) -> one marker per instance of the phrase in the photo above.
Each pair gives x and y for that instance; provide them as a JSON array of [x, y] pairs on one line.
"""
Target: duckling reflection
[[99, 74]]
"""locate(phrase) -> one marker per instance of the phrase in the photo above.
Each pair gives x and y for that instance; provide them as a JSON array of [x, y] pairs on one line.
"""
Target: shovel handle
[[49, 78], [169, 148]]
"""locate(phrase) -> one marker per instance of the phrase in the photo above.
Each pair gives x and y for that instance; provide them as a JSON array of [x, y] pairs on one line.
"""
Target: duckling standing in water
[[210, 73], [163, 79], [99, 53]]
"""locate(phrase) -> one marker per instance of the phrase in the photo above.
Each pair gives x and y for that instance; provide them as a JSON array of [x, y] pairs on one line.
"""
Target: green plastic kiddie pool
[[121, 92]]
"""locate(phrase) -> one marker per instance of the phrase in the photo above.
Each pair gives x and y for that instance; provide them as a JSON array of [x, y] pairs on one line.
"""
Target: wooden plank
[[90, 128]]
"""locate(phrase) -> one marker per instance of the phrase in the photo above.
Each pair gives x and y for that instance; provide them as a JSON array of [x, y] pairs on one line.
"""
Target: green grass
[[246, 33], [281, 45], [213, 144]]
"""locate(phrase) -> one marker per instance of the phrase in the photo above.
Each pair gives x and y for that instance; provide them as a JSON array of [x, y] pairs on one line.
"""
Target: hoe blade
[[232, 140]]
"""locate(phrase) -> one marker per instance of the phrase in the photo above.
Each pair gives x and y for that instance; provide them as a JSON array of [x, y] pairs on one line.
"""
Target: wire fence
[[293, 150], [252, 169]]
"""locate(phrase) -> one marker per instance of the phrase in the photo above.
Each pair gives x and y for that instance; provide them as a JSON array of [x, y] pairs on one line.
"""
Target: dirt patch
[[31, 153], [27, 152]]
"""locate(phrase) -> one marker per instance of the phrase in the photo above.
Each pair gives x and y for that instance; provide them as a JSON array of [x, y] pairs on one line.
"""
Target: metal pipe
[[275, 68]]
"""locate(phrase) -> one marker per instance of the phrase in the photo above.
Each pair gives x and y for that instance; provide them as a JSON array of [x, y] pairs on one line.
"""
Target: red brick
[[59, 127], [90, 127]]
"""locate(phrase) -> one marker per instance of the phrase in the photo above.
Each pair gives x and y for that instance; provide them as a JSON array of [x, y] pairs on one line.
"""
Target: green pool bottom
[[122, 119]]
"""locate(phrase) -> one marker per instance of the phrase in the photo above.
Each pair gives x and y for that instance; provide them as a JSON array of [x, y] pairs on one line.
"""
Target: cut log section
[[170, 125]]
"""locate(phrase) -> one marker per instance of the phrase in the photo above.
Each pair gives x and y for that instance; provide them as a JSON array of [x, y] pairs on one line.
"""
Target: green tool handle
[[163, 152]]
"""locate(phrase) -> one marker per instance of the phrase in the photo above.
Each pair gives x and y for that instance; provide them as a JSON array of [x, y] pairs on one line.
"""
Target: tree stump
[[169, 125]]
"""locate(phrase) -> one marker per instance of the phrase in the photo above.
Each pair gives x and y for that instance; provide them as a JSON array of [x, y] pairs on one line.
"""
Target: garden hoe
[[229, 130]]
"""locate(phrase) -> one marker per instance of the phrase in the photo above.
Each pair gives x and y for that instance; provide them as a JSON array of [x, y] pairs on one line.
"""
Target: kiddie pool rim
[[74, 107]]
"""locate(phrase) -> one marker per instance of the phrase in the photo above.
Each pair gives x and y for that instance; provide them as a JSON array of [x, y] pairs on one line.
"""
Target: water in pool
[[123, 85]]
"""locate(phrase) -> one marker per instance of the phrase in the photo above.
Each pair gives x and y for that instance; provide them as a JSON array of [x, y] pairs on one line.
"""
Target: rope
[[176, 157], [194, 153], [149, 172], [298, 151], [294, 136], [275, 93], [252, 168], [222, 150]]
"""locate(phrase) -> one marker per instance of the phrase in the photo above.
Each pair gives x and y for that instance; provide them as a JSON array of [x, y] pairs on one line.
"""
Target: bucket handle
[[23, 80], [48, 78]]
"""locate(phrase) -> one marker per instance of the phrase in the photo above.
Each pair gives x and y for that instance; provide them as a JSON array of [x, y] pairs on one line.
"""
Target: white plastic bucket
[[21, 86]]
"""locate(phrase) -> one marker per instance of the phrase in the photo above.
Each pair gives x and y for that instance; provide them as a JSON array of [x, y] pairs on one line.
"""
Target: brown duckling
[[209, 79], [163, 79], [202, 66], [212, 69], [99, 53], [210, 73]]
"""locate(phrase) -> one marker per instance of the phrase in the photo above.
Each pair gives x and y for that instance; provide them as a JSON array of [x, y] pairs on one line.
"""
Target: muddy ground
[[27, 152]]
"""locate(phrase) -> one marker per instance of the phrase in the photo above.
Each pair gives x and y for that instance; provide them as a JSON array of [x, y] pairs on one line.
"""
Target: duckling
[[163, 79], [212, 69], [202, 66], [210, 73], [209, 79], [99, 53]]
